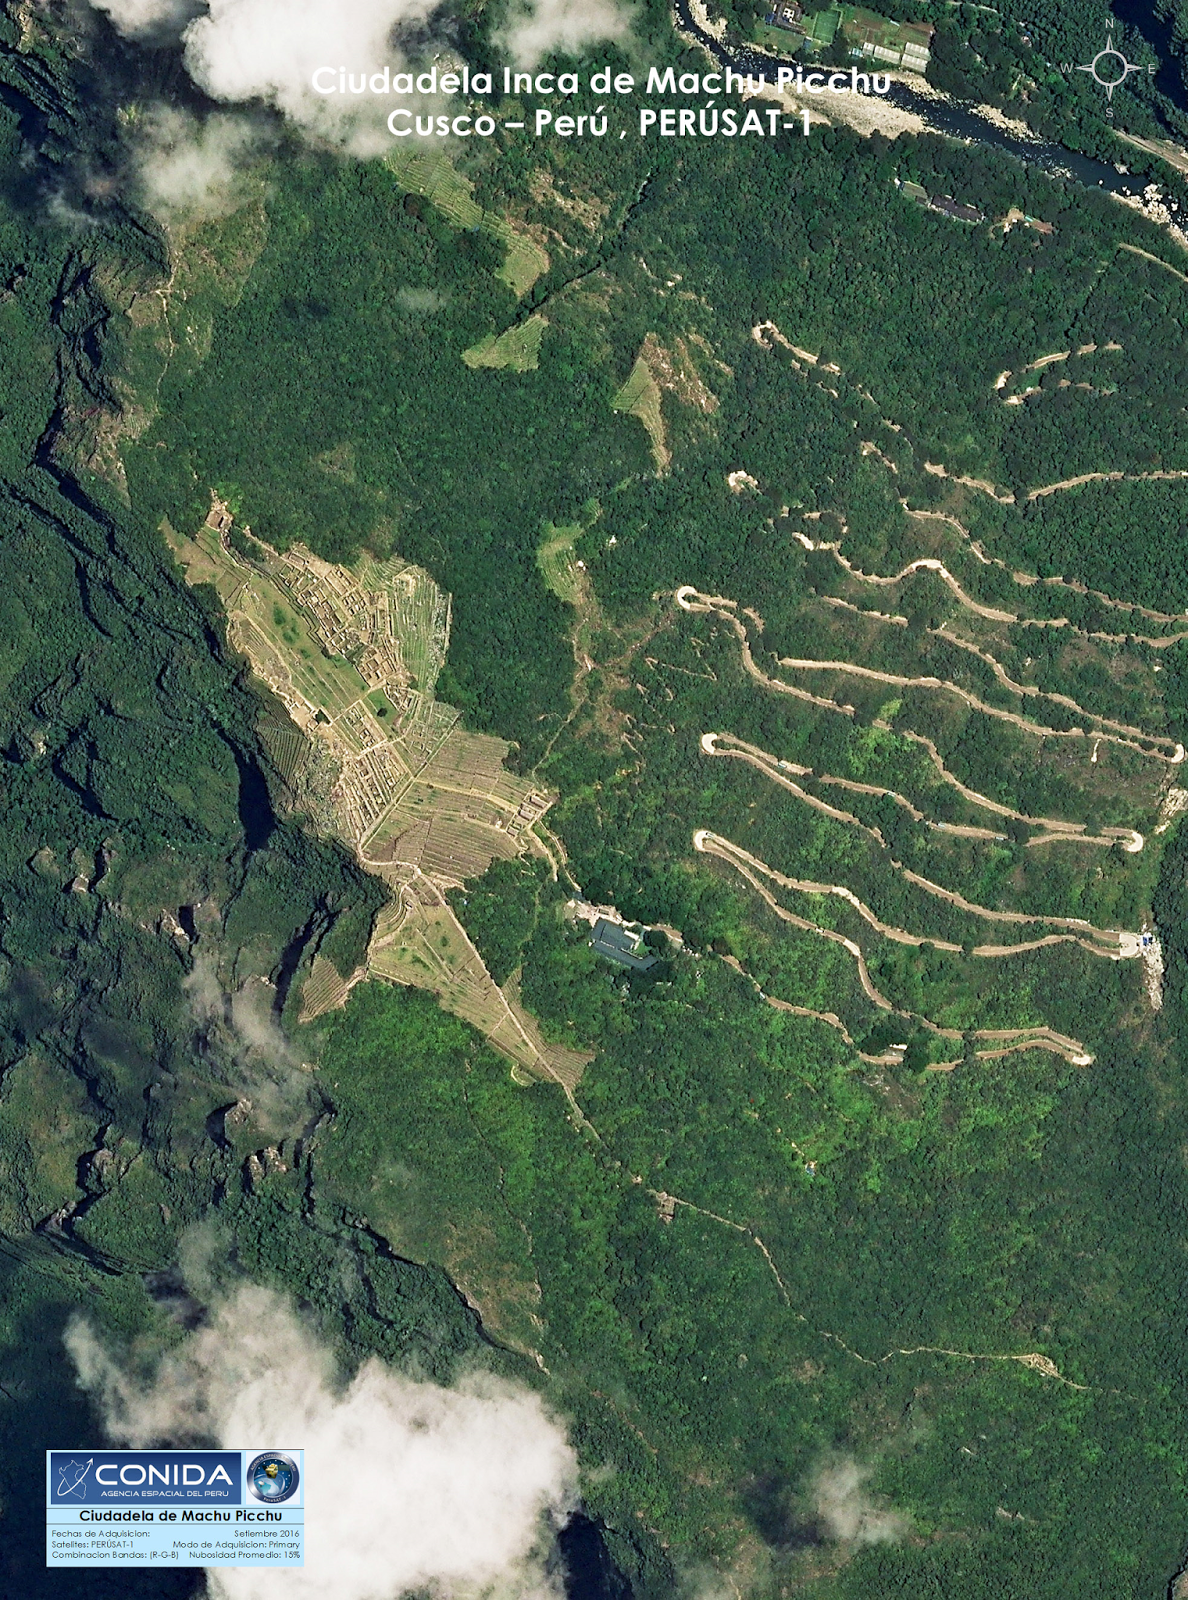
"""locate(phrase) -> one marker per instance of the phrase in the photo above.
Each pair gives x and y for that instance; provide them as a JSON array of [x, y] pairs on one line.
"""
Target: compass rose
[[1110, 68]]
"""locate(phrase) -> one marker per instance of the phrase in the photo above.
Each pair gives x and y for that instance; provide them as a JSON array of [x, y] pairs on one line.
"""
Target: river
[[949, 117]]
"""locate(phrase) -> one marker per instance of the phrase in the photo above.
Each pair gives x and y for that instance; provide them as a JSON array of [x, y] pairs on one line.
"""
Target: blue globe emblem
[[273, 1476]]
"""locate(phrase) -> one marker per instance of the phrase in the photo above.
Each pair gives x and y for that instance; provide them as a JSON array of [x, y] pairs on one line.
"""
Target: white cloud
[[240, 51], [68, 216], [244, 1016], [270, 50], [570, 25], [136, 18], [243, 1034], [413, 1486], [847, 1511]]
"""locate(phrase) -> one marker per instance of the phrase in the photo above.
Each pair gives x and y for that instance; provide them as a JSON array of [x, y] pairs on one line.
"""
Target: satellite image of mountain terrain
[[593, 728]]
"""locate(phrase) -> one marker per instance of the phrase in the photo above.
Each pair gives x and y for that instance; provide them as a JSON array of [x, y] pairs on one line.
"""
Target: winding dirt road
[[1056, 828], [772, 767], [1104, 477], [1028, 580], [690, 599], [1007, 498], [716, 603], [1005, 1039], [1113, 943], [921, 564], [776, 770]]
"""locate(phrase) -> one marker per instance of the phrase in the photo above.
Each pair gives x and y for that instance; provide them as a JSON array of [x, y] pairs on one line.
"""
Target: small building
[[954, 208], [621, 945], [785, 14], [948, 207]]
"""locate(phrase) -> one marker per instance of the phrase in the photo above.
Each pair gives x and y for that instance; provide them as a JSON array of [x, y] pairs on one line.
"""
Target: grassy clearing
[[328, 683], [558, 563], [264, 624], [566, 577], [516, 349], [640, 397], [381, 705]]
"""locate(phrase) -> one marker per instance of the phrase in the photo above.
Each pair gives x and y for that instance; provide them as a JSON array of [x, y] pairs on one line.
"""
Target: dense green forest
[[758, 1247], [348, 448], [964, 1213]]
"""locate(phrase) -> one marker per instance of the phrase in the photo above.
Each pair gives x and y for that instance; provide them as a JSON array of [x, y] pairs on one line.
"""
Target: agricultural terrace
[[517, 349], [434, 176]]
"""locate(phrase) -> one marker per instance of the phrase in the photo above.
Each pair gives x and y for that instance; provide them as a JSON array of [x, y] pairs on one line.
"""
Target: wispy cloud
[[254, 53], [191, 168], [243, 50], [847, 1511], [148, 18], [270, 49], [245, 1040], [534, 30]]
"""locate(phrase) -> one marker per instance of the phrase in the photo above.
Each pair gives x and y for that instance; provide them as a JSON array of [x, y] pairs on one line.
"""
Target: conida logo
[[144, 1476], [72, 1476]]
